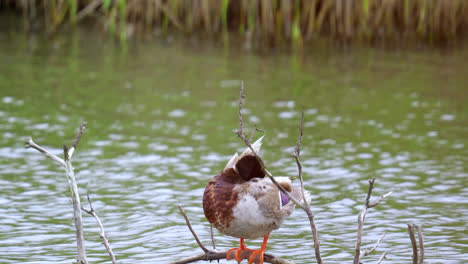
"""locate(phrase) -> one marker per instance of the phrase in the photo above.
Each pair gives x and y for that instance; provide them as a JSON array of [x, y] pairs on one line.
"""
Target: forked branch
[[305, 206], [358, 254], [66, 162]]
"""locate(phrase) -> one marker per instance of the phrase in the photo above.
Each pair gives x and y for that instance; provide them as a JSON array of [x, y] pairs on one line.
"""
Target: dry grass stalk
[[268, 21]]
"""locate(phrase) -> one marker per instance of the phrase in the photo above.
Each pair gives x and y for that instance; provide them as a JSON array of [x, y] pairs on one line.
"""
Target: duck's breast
[[249, 221]]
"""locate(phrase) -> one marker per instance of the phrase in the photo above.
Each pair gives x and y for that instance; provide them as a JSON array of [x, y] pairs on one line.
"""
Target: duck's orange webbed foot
[[256, 253], [259, 252], [240, 253]]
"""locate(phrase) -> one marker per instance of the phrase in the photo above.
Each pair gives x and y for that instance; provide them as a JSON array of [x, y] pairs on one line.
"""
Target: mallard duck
[[241, 202]]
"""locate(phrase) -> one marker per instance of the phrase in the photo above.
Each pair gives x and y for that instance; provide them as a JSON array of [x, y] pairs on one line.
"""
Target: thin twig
[[78, 136], [212, 237], [362, 217], [413, 243], [102, 234], [241, 99], [30, 144], [239, 133], [367, 252], [191, 230], [297, 152], [382, 257], [255, 130], [421, 244], [305, 207]]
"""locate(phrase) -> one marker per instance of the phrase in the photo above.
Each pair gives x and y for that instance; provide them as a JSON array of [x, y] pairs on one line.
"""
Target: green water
[[160, 114]]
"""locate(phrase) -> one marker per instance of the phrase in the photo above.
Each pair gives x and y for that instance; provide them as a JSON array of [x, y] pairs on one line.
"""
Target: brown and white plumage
[[241, 202]]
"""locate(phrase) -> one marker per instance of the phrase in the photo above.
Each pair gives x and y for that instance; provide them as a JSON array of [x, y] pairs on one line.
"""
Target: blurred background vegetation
[[262, 23]]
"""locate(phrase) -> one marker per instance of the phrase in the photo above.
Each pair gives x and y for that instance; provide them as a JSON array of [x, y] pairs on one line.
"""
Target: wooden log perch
[[210, 255]]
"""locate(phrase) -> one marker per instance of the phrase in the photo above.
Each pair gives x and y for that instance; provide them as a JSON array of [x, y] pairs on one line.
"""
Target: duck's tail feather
[[297, 193]]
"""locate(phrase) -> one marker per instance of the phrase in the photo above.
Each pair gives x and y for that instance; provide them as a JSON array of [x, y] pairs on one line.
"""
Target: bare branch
[[413, 243], [241, 99], [102, 234], [30, 144], [191, 229], [78, 221], [212, 237], [362, 217], [376, 202], [239, 133], [297, 152], [421, 244], [77, 139], [255, 130], [382, 258], [210, 255], [215, 255], [78, 136], [367, 252], [305, 207]]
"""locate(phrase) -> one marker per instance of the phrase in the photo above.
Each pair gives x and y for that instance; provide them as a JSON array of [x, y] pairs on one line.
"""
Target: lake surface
[[160, 114]]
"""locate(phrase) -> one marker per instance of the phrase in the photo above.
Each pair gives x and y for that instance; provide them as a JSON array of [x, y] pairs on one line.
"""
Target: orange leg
[[237, 252], [259, 252]]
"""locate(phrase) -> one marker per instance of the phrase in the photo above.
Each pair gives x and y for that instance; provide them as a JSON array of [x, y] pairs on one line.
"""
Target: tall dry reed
[[270, 21]]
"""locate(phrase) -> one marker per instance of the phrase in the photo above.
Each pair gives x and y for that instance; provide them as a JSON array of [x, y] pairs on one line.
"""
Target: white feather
[[232, 161]]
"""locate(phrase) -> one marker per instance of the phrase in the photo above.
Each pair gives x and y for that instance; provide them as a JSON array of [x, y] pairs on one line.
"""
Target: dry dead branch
[[417, 259], [305, 207], [102, 234], [210, 255], [66, 162], [358, 254]]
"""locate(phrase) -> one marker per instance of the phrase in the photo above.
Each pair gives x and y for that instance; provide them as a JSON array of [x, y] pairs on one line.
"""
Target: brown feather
[[219, 198]]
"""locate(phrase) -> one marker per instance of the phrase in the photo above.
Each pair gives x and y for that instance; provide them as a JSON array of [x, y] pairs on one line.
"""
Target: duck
[[241, 202]]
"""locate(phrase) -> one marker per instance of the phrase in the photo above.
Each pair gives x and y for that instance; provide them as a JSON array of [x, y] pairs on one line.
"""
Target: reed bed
[[269, 21]]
